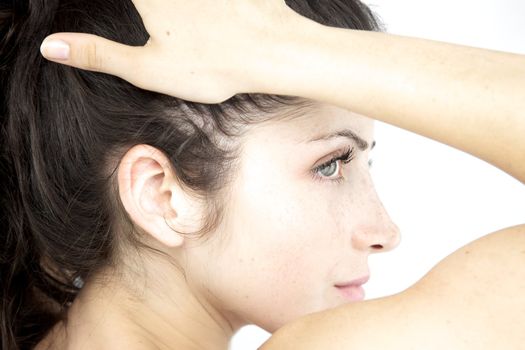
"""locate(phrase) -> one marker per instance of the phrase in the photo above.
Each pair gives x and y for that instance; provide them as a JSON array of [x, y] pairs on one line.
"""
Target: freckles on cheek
[[346, 215], [283, 222], [280, 242]]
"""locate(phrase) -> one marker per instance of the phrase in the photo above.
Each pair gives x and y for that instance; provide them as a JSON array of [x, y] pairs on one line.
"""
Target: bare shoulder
[[472, 299]]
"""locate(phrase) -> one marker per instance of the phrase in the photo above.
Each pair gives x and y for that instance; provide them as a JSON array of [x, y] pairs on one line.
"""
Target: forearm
[[469, 98]]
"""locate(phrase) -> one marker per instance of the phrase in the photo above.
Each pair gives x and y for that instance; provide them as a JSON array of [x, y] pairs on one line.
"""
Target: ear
[[152, 196]]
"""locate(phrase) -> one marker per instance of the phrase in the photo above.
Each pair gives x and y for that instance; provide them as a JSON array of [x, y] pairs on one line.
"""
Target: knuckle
[[91, 57]]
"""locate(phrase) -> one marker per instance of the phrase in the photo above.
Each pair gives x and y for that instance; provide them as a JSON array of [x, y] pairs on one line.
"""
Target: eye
[[331, 170]]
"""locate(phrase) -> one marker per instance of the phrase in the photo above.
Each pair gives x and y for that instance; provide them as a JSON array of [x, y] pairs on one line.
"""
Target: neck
[[163, 314]]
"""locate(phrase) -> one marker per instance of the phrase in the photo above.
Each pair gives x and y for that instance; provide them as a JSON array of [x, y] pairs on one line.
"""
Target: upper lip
[[356, 282]]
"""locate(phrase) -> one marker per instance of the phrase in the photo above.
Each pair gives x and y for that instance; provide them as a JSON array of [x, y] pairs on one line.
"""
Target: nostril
[[377, 246]]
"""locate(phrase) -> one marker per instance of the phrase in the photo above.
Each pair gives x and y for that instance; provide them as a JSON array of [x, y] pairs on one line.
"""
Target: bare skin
[[471, 99]]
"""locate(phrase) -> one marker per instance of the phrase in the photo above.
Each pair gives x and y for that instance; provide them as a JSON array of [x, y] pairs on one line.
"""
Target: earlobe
[[146, 187]]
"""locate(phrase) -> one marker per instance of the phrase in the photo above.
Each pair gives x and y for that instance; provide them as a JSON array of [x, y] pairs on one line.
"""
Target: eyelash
[[346, 158]]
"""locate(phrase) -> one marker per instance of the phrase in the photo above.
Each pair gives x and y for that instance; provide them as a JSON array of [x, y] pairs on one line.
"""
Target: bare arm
[[473, 299], [469, 98]]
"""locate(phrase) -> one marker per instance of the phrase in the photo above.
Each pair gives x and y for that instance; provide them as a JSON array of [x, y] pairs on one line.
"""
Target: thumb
[[90, 52]]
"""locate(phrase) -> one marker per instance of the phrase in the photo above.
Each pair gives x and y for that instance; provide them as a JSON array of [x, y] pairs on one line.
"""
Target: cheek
[[279, 257]]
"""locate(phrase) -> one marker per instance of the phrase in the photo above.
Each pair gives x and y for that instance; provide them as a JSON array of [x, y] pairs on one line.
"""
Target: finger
[[90, 52]]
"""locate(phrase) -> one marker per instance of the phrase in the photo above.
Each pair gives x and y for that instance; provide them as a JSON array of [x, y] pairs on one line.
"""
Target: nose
[[377, 233], [377, 238]]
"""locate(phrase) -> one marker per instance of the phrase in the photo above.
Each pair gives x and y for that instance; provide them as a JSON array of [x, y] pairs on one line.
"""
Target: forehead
[[316, 123]]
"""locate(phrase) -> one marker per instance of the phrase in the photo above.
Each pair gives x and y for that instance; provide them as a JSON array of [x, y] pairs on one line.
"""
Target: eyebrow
[[361, 144]]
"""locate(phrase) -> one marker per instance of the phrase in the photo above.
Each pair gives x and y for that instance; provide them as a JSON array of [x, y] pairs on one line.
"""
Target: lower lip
[[352, 293]]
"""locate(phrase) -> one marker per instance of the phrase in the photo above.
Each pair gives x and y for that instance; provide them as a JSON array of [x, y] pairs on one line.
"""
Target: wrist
[[310, 60], [285, 61]]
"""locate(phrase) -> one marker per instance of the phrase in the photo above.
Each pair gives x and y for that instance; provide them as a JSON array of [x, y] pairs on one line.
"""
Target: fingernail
[[55, 49]]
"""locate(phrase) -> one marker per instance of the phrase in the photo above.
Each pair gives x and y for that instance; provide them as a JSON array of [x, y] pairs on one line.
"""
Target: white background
[[441, 198]]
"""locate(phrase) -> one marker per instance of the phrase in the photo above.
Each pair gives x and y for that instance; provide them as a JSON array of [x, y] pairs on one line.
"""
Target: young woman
[[139, 221]]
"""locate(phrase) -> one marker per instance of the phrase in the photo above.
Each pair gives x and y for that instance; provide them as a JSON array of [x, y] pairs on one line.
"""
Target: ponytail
[[27, 312]]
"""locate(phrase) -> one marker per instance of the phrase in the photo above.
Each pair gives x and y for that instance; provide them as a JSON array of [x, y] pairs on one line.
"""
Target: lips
[[353, 290], [356, 282]]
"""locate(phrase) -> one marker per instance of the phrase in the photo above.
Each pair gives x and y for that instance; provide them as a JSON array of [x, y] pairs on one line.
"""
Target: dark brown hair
[[63, 132]]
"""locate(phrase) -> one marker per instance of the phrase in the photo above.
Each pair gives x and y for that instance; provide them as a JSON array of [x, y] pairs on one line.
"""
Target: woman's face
[[294, 229]]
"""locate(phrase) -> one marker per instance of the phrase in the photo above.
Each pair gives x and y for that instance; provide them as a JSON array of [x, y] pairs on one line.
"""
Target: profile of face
[[302, 216]]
